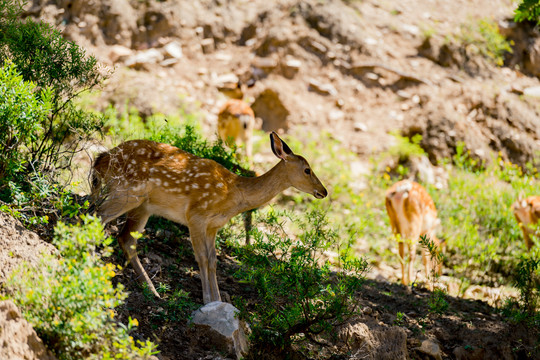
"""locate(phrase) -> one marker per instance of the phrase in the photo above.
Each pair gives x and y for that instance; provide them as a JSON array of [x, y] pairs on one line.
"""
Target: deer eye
[[307, 171]]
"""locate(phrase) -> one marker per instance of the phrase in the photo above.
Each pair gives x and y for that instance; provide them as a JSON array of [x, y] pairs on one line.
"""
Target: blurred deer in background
[[527, 213], [144, 178], [412, 214], [236, 121]]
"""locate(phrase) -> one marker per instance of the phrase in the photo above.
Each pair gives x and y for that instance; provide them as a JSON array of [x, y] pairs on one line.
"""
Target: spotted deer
[[143, 178], [527, 213], [412, 213], [236, 121]]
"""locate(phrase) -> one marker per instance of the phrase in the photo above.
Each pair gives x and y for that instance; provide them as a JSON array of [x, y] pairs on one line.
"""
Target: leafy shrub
[[41, 128], [301, 296], [70, 301], [527, 281], [528, 10], [21, 113]]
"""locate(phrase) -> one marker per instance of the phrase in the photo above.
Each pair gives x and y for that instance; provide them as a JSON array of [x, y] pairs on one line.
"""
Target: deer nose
[[320, 194]]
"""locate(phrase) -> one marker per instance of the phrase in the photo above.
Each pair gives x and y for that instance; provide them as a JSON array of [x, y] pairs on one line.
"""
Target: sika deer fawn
[[144, 178], [236, 121], [527, 213], [412, 214]]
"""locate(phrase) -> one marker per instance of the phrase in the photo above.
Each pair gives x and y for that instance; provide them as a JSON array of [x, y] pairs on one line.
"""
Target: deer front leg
[[401, 248], [136, 220], [212, 264], [412, 257], [205, 254]]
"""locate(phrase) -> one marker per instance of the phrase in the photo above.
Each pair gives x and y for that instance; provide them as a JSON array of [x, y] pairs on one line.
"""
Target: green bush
[[22, 111], [301, 295], [70, 301], [528, 10], [41, 129]]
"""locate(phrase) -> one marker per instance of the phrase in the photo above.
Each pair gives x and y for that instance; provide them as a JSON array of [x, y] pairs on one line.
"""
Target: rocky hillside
[[359, 68]]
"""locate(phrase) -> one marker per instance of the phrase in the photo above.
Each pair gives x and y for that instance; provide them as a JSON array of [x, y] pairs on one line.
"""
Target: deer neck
[[257, 191]]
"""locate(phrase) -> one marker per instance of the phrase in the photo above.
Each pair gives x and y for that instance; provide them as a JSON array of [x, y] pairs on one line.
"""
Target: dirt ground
[[356, 69]]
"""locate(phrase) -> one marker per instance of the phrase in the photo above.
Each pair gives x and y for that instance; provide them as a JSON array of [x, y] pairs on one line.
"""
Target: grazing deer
[[236, 121], [144, 178], [412, 214], [527, 213]]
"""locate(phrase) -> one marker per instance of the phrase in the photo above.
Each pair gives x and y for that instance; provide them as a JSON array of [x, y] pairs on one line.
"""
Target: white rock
[[430, 348], [227, 331], [150, 56], [533, 91], [173, 50]]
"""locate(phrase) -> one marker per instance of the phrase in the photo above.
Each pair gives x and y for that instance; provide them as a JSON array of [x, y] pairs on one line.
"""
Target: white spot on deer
[[207, 185], [205, 205], [177, 181], [135, 144], [157, 181], [153, 170], [204, 194], [157, 154], [133, 162], [143, 169], [219, 185], [165, 184], [195, 185], [187, 188]]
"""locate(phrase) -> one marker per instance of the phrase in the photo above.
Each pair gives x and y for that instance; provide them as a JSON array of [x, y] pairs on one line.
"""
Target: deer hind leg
[[135, 222]]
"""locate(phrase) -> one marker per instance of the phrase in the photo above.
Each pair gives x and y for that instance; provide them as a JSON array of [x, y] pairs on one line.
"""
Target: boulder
[[18, 340], [217, 324]]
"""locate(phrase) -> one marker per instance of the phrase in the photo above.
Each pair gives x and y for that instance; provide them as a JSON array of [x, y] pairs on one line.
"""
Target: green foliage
[[43, 56], [70, 300], [41, 129], [405, 148], [301, 296], [527, 281], [21, 113], [484, 37], [528, 10]]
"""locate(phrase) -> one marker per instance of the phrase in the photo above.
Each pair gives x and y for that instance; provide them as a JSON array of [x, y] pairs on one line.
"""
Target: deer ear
[[279, 147]]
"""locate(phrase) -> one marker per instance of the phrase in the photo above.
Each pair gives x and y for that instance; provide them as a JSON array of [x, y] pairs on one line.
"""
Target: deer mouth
[[320, 195]]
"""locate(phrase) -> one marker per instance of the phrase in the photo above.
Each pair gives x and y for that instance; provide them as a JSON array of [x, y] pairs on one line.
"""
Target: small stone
[[359, 126], [430, 348], [323, 89], [208, 45], [533, 91], [150, 56], [173, 50]]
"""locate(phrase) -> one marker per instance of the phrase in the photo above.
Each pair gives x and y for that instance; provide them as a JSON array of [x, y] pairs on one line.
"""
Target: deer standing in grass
[[236, 121], [527, 213], [144, 178], [412, 213]]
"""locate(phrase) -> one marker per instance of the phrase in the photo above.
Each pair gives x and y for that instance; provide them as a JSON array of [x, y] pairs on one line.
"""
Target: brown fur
[[527, 213], [144, 178], [236, 121], [412, 213]]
